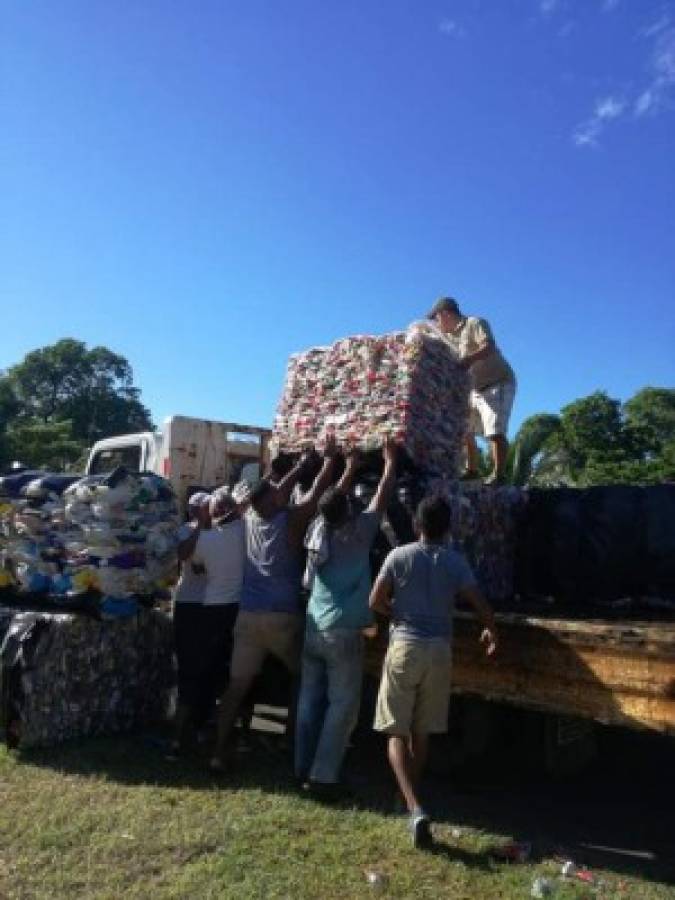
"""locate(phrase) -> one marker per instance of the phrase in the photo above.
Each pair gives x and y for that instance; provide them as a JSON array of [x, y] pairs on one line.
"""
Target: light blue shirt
[[341, 587]]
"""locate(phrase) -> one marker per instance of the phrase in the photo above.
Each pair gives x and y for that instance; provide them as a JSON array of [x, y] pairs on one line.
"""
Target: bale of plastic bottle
[[362, 389]]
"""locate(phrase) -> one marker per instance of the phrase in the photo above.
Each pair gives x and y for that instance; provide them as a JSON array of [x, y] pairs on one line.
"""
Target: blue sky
[[208, 187]]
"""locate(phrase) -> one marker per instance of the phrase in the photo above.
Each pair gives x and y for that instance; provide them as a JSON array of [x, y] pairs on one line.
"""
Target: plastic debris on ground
[[406, 384], [64, 536], [542, 887], [66, 676], [375, 879]]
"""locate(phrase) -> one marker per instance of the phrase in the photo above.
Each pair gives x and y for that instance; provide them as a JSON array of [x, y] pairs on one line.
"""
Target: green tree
[[93, 389], [62, 398], [39, 444], [651, 413], [530, 444], [596, 440]]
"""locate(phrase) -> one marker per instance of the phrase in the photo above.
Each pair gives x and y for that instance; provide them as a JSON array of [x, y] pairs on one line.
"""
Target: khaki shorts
[[414, 691], [490, 409], [258, 633]]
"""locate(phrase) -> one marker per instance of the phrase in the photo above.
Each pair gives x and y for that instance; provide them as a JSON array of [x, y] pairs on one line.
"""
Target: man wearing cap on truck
[[493, 384]]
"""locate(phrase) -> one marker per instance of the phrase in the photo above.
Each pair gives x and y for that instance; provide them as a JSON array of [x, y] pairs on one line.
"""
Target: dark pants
[[203, 643]]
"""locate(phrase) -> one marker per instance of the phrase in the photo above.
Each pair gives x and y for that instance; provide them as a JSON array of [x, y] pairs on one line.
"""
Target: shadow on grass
[[616, 816]]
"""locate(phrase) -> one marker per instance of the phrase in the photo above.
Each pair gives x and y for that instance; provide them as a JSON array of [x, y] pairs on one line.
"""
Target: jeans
[[328, 707]]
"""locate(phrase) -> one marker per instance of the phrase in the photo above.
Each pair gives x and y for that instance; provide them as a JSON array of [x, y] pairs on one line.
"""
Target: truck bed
[[614, 672]]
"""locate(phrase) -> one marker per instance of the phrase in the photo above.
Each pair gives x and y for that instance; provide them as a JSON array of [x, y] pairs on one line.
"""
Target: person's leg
[[311, 708], [401, 762], [248, 656], [499, 448], [473, 459], [419, 750], [474, 426], [218, 624], [344, 658], [495, 404], [284, 639], [187, 645]]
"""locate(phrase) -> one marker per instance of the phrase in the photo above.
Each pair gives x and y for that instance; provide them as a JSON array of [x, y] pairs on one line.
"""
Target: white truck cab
[[191, 453]]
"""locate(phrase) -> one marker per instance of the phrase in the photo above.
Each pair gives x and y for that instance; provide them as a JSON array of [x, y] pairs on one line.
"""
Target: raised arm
[[300, 515], [483, 610], [385, 488], [352, 460], [285, 487]]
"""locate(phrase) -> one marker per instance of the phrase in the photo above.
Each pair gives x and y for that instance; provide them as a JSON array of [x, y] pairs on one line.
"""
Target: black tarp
[[597, 544]]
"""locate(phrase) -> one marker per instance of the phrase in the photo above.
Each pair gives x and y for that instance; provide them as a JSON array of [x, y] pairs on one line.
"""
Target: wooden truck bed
[[617, 673]]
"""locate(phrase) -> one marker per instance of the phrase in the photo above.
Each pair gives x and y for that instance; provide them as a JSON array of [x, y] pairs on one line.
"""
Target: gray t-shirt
[[425, 580]]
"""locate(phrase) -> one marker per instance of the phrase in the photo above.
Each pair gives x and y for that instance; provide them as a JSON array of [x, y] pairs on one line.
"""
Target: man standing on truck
[[270, 617], [416, 589], [493, 384]]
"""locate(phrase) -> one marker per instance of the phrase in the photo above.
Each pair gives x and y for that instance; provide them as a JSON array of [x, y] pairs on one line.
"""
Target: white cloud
[[451, 28], [606, 109], [660, 91], [547, 7], [656, 27], [566, 30], [609, 5], [586, 135], [609, 108]]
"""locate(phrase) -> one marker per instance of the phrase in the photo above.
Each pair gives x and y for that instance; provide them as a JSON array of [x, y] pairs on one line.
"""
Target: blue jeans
[[328, 706]]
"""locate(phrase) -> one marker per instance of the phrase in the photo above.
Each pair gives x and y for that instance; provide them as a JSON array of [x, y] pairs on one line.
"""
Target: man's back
[[342, 584], [272, 571], [221, 551], [425, 579]]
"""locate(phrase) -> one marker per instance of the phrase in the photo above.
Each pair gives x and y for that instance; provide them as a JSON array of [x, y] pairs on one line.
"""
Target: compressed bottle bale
[[406, 384], [70, 676], [483, 527]]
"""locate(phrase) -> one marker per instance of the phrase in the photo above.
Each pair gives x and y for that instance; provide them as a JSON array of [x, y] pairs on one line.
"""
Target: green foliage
[[530, 441], [596, 440], [62, 398], [43, 444]]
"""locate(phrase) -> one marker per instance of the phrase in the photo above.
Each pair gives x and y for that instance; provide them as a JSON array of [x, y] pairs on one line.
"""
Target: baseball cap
[[444, 304]]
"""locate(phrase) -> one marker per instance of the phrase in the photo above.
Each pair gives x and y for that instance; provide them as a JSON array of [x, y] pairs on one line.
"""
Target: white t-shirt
[[221, 550], [190, 587]]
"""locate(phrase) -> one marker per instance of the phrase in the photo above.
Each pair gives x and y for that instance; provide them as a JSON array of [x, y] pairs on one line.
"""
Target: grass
[[113, 818]]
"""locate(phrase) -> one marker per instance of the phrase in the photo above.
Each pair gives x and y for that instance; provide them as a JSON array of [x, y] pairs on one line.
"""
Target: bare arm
[[345, 483], [186, 548], [381, 595], [380, 501], [483, 610], [300, 515], [467, 361], [285, 487]]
